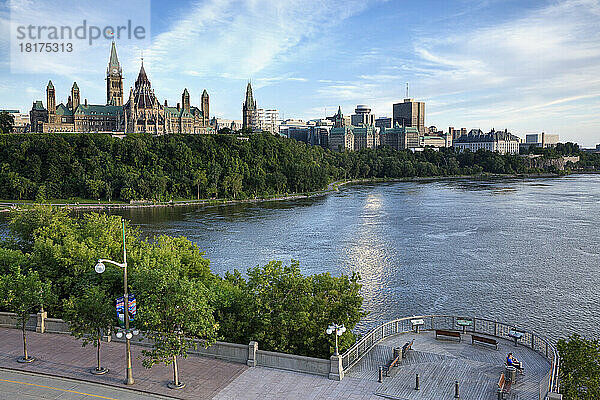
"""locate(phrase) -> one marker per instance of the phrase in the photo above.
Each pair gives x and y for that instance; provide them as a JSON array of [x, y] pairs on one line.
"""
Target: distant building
[[502, 142], [341, 138], [249, 110], [268, 120], [365, 137], [598, 148], [362, 116], [410, 113], [382, 123], [20, 120], [439, 140], [400, 137], [339, 119], [543, 140], [220, 123], [456, 133]]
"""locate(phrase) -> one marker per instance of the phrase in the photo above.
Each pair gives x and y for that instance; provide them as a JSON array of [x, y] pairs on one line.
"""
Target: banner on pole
[[120, 305]]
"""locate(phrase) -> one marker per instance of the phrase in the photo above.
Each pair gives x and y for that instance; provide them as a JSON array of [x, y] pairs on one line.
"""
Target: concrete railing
[[248, 354]]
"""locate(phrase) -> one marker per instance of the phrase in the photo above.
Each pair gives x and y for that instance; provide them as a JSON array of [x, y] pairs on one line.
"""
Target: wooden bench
[[483, 339], [389, 369], [407, 346], [453, 334], [503, 386]]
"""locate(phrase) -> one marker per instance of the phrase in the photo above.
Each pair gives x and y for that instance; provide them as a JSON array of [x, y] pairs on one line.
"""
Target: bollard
[[380, 374], [417, 387], [456, 396]]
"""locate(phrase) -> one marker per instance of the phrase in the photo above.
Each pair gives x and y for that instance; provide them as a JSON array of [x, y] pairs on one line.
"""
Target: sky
[[526, 66]]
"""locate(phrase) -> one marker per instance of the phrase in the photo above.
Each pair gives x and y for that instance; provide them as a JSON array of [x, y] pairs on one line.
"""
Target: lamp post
[[339, 330], [100, 267]]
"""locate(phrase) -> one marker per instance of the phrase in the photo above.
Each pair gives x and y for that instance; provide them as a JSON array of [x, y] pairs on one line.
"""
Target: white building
[[220, 123], [502, 142], [268, 120]]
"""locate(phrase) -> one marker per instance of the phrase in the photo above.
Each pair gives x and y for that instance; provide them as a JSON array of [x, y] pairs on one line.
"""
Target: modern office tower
[[410, 113], [401, 137]]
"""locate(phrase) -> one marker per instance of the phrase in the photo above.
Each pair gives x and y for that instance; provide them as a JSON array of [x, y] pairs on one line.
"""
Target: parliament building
[[142, 113]]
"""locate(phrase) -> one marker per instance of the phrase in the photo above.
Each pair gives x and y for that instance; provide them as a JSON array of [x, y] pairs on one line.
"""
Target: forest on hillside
[[173, 167]]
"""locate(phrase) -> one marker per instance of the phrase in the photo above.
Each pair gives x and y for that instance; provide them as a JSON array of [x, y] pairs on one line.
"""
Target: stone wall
[[248, 354]]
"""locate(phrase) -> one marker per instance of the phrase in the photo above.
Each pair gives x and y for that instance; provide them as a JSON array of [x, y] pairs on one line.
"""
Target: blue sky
[[526, 66]]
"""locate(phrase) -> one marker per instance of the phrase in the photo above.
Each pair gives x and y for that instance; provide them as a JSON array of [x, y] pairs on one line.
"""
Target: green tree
[[23, 294], [7, 122], [200, 180], [173, 311], [90, 316], [579, 368], [286, 311]]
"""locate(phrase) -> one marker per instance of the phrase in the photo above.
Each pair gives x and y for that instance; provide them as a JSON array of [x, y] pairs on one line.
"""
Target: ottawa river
[[518, 251]]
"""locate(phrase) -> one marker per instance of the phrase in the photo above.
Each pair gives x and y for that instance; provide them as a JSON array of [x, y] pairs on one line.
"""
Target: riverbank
[[332, 187]]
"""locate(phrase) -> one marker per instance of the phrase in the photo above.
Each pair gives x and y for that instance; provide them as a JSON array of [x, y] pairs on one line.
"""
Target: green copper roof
[[75, 86], [185, 92], [50, 85], [93, 109], [63, 110], [114, 60], [38, 105]]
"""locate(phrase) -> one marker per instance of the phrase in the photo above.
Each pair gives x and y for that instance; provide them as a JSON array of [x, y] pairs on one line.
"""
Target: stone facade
[[142, 113]]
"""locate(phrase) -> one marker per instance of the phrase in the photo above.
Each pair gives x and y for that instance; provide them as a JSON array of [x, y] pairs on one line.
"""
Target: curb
[[127, 389]]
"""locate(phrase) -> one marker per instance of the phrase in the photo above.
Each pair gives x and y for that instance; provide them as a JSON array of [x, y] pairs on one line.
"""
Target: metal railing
[[536, 342]]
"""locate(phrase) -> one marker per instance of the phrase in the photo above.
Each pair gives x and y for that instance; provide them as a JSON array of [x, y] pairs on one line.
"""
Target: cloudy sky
[[528, 66]]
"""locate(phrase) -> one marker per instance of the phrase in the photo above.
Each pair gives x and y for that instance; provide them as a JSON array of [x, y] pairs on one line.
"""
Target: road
[[28, 386]]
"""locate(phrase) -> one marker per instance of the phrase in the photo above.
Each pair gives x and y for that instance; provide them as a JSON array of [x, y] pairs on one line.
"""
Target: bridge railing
[[488, 327]]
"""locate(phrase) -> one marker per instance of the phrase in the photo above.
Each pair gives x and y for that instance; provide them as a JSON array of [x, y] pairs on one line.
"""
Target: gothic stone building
[[141, 114]]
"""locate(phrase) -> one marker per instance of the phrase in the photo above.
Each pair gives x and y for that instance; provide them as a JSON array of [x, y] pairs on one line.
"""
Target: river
[[518, 251]]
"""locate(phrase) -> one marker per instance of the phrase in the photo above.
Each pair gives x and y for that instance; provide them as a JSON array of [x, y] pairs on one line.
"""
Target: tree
[[200, 179], [7, 122], [90, 316], [23, 294], [579, 368], [286, 311], [173, 311]]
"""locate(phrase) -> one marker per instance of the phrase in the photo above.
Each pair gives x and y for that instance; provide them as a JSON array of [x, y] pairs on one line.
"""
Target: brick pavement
[[206, 378], [62, 355]]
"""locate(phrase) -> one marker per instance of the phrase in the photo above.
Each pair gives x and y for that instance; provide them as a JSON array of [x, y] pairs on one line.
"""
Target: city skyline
[[488, 64]]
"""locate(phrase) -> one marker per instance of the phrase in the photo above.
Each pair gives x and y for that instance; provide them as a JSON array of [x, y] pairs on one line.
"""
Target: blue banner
[[120, 306]]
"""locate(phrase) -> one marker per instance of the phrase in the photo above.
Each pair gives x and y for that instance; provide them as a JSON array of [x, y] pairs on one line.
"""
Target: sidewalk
[[62, 355]]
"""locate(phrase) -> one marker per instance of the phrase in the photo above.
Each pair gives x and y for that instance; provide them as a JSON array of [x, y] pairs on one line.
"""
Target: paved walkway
[[62, 355], [206, 378], [28, 386]]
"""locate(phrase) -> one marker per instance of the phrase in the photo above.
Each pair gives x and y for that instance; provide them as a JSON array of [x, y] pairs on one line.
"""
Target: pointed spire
[[204, 93], [142, 77], [50, 85], [339, 113], [75, 86]]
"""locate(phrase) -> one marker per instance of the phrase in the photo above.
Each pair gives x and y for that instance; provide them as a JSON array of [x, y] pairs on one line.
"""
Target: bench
[[453, 334], [407, 346], [389, 369], [483, 339], [503, 386]]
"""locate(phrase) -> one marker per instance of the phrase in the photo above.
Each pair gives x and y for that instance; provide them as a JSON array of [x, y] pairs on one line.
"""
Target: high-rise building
[[383, 123], [249, 110], [114, 79], [362, 116], [456, 133], [410, 113]]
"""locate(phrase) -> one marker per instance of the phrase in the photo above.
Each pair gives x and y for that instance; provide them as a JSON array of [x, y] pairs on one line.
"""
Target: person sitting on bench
[[513, 362]]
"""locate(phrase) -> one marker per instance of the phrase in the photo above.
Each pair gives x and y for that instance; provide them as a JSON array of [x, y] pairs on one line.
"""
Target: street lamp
[[339, 331], [100, 268]]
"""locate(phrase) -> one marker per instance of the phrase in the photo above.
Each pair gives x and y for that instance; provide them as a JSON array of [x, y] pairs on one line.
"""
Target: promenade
[[62, 356]]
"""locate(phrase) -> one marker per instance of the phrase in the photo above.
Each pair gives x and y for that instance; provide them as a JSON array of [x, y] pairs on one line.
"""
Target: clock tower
[[114, 79]]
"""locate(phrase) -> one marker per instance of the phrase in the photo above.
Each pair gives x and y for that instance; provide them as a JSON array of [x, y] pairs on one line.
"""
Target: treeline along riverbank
[[174, 167]]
